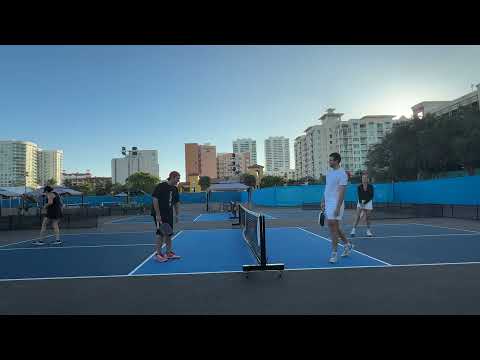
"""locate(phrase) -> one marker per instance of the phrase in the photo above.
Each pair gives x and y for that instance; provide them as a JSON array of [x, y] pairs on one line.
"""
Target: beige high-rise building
[[244, 160], [231, 165], [208, 161], [301, 163], [244, 146], [352, 139], [227, 165], [50, 166], [356, 136], [18, 163], [192, 160], [277, 155], [200, 160]]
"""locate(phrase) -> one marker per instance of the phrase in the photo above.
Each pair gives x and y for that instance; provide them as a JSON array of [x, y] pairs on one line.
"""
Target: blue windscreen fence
[[449, 191], [193, 197]]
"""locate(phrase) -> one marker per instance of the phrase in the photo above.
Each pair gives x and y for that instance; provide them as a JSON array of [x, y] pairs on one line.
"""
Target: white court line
[[112, 220], [359, 252], [120, 220], [333, 267], [68, 234], [380, 224], [195, 220], [24, 241], [391, 266], [120, 276], [107, 233], [234, 229], [444, 227], [151, 255], [73, 247], [238, 271], [412, 236], [130, 223]]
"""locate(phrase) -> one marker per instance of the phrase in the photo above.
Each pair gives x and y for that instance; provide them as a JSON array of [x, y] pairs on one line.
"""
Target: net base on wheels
[[263, 267]]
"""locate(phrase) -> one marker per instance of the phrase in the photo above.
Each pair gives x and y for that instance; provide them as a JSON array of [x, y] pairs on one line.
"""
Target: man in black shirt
[[364, 205], [165, 198]]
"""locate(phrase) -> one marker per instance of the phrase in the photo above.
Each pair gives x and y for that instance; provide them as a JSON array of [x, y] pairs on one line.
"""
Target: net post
[[207, 199], [263, 248]]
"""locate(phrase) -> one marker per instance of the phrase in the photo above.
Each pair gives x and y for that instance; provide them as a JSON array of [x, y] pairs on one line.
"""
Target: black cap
[[47, 189]]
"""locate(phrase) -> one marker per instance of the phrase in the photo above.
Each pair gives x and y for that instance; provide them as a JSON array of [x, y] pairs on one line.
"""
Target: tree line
[[425, 148]]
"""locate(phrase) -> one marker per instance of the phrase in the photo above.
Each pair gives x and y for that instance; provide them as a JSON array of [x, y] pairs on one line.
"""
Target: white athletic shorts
[[366, 206], [330, 210]]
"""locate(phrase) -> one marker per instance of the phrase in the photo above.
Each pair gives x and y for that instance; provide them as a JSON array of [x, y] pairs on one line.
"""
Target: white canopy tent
[[60, 190], [11, 193], [18, 190], [228, 187], [8, 193]]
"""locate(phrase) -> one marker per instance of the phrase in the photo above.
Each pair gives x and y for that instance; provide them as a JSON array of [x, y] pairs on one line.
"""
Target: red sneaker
[[172, 255], [160, 258]]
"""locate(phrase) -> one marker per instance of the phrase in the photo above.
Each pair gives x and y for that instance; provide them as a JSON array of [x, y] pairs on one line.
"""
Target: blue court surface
[[224, 250]]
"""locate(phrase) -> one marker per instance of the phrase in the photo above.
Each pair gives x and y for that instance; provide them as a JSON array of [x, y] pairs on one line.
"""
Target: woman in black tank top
[[54, 210], [365, 205], [54, 213]]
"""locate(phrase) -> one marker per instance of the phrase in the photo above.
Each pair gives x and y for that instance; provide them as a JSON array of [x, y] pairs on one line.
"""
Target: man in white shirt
[[333, 204]]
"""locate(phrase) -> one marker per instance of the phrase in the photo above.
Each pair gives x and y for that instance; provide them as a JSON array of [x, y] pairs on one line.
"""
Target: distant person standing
[[165, 197], [54, 214], [364, 204], [333, 204]]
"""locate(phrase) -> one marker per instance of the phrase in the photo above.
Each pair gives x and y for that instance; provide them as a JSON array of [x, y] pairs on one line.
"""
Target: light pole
[[132, 153], [26, 175], [25, 192]]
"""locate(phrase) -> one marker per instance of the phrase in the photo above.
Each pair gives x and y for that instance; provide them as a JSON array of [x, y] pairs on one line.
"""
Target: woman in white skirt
[[364, 204]]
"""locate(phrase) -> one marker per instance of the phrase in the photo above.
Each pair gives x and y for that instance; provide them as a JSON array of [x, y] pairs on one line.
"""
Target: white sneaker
[[369, 233], [352, 233], [346, 249], [333, 258]]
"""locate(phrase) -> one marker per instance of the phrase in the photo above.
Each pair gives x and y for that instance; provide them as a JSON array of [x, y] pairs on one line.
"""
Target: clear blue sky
[[91, 100]]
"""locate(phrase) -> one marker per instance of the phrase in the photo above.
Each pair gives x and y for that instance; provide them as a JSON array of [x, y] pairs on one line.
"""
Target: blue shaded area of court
[[204, 251], [80, 255], [297, 248], [414, 244], [224, 250]]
